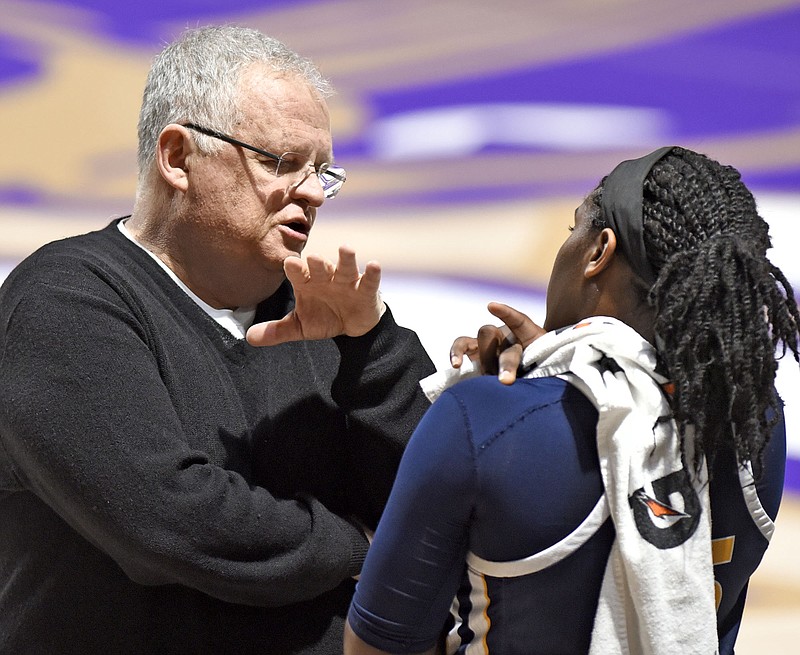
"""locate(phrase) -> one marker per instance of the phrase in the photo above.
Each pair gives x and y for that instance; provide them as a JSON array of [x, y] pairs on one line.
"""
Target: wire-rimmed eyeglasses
[[288, 164]]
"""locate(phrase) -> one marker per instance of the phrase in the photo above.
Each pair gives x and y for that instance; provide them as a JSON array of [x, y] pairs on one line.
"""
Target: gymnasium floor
[[772, 613]]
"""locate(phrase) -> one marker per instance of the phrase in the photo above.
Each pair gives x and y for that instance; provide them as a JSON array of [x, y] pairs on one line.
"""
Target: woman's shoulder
[[485, 398], [525, 390]]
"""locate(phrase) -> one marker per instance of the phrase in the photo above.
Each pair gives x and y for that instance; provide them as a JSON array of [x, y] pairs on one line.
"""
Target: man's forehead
[[268, 84], [284, 108], [278, 93]]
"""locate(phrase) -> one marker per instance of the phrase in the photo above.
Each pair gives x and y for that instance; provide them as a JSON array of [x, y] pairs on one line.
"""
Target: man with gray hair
[[166, 484]]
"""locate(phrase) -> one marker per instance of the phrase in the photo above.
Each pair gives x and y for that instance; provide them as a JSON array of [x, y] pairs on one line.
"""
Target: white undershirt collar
[[236, 321]]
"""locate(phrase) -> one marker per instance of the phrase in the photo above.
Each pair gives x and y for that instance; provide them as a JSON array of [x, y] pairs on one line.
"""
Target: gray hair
[[194, 80]]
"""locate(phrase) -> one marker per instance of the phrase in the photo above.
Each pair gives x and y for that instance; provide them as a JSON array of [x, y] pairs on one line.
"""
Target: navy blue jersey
[[510, 475]]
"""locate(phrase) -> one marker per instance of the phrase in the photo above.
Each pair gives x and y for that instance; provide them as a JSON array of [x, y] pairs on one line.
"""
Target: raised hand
[[329, 301], [498, 349]]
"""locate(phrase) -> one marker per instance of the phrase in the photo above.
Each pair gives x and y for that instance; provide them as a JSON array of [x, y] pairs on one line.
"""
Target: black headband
[[622, 209]]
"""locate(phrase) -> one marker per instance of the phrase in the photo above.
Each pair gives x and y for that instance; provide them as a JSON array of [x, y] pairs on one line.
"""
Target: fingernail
[[506, 377]]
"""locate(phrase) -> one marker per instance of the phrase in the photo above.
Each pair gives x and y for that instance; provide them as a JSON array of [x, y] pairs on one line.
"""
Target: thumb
[[272, 333], [521, 325]]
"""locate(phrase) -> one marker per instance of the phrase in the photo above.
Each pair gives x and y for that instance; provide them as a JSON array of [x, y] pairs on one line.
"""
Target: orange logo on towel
[[659, 522], [658, 509]]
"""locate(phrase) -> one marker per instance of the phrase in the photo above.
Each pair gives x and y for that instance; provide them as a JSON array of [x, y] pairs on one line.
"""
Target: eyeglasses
[[288, 164]]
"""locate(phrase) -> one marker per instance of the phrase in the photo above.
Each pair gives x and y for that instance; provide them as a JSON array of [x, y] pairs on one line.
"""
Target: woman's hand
[[498, 349]]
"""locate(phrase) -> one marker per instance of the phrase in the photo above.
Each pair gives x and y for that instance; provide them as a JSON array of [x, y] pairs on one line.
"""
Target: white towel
[[657, 595]]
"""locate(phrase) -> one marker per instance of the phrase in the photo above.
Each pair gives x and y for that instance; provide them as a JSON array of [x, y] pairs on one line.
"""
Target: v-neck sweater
[[168, 488]]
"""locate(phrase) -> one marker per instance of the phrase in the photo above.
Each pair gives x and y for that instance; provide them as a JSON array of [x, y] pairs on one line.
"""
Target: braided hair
[[722, 309]]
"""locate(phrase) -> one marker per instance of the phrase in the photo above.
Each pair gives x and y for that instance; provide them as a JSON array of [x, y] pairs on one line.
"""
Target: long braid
[[721, 307]]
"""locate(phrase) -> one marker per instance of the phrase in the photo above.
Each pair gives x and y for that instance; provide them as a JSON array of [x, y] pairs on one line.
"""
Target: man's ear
[[174, 146], [603, 250]]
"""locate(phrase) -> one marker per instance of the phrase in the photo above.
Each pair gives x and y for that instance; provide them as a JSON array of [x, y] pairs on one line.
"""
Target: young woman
[[581, 508]]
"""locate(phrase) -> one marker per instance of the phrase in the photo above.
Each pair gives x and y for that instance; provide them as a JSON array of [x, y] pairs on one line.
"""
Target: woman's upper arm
[[416, 560]]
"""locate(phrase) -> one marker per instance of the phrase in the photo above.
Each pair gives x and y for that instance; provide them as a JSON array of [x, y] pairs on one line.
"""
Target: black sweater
[[167, 488]]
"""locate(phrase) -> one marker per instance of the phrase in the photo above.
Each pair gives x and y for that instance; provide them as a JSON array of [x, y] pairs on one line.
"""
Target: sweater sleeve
[[87, 424], [378, 388]]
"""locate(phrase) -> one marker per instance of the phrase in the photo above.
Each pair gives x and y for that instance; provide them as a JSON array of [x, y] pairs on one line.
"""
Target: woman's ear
[[172, 150], [603, 250]]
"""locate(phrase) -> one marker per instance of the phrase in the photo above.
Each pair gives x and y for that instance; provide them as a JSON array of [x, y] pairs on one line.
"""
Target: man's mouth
[[297, 226]]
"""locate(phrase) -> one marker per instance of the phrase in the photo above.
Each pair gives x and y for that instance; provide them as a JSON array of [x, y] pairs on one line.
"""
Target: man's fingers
[[296, 270], [260, 334], [347, 267], [371, 279], [271, 333], [319, 269]]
